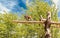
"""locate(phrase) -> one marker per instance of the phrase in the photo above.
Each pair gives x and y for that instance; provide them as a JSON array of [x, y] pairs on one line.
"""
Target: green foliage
[[36, 9], [9, 29], [6, 25]]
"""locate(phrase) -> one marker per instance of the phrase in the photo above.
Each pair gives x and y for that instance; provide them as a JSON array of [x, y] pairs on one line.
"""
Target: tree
[[9, 29], [7, 26], [35, 9]]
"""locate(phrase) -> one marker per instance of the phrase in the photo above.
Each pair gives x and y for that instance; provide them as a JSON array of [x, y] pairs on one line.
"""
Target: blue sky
[[19, 5], [12, 5]]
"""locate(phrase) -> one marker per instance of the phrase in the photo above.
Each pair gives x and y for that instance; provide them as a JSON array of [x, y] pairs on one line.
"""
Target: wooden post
[[47, 24], [47, 29]]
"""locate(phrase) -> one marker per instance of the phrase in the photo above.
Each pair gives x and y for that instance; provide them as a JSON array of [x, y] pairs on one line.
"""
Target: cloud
[[3, 8], [57, 3], [12, 5], [7, 5]]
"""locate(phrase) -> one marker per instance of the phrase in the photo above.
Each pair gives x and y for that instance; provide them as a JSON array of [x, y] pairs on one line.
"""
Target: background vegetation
[[8, 29]]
